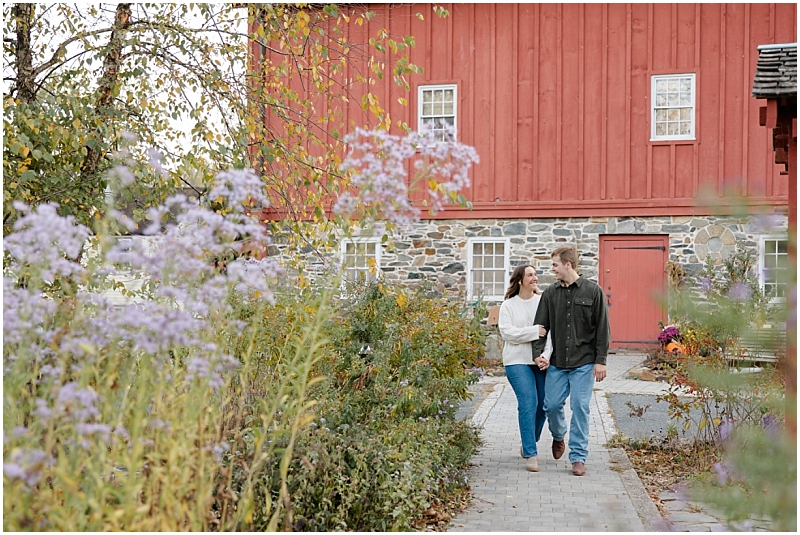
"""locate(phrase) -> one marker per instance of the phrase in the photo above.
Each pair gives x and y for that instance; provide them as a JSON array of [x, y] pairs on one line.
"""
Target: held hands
[[542, 332], [541, 362]]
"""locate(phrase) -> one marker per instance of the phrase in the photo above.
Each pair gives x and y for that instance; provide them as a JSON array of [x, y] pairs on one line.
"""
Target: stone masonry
[[436, 251]]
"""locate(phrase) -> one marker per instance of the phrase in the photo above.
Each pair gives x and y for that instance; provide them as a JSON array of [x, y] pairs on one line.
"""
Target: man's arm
[[602, 335]]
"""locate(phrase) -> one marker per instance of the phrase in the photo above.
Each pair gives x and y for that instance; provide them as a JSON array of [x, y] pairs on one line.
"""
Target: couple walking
[[556, 345]]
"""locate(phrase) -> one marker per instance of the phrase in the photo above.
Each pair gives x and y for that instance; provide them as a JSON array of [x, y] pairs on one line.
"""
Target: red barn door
[[633, 279]]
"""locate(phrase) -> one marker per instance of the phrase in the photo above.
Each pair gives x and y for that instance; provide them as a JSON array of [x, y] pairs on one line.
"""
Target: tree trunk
[[26, 85], [105, 91]]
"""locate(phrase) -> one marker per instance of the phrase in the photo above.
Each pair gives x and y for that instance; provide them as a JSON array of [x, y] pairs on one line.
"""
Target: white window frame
[[355, 241], [654, 79], [421, 118], [146, 244], [762, 251], [471, 293]]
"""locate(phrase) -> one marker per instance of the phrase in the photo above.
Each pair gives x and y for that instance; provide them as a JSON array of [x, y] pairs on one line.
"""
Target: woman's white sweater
[[518, 331]]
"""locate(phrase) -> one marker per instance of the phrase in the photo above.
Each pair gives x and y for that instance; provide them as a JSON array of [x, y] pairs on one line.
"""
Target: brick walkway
[[610, 497]]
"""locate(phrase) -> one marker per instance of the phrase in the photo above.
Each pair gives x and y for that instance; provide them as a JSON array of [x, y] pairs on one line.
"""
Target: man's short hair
[[566, 254]]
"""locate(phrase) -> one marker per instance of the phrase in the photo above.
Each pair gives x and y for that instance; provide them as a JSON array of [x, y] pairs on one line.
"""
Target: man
[[574, 312]]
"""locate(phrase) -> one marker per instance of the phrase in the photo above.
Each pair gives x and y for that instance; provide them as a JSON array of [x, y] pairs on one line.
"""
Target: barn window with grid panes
[[673, 107], [361, 258], [437, 109], [487, 267], [773, 258]]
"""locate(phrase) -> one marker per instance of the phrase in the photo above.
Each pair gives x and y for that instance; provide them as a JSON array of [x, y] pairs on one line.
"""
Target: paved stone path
[[610, 497]]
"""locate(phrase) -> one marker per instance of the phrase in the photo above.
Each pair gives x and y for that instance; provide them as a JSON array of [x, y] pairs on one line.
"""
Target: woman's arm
[[512, 333]]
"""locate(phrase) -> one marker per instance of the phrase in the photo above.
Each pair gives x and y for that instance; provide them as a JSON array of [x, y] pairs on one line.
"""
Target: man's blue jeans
[[528, 383], [577, 383]]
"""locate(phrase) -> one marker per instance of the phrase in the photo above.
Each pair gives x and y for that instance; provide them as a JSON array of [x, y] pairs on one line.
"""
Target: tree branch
[[105, 90], [23, 14]]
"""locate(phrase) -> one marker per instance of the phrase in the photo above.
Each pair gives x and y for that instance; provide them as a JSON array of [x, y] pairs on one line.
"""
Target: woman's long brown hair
[[516, 278]]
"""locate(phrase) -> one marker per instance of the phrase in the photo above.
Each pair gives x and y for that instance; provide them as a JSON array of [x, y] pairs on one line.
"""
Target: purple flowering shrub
[[742, 409], [378, 164], [199, 390], [105, 403]]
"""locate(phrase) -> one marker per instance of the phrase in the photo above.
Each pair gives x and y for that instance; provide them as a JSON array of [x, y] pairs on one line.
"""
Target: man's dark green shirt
[[576, 316]]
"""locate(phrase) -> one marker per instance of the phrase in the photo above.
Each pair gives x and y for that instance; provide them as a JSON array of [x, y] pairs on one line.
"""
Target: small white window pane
[[673, 85], [783, 246], [661, 100], [661, 86], [686, 85], [477, 248], [686, 114], [448, 108], [673, 129], [661, 129], [686, 99], [427, 109], [426, 96], [686, 128], [437, 108], [673, 99]]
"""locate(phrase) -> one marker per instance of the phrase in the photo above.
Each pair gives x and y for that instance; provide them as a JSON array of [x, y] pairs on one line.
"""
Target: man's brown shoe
[[578, 469], [558, 448]]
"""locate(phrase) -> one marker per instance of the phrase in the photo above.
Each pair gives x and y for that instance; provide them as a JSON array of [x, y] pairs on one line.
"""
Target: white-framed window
[[361, 258], [124, 245], [437, 109], [672, 107], [488, 267], [773, 256]]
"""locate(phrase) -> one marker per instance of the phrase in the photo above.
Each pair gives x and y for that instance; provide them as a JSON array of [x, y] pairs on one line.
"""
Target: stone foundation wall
[[436, 251]]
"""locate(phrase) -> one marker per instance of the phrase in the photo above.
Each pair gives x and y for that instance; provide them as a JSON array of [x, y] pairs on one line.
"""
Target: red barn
[[627, 130]]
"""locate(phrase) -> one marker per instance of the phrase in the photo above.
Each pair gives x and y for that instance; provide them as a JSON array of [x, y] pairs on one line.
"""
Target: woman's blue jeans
[[528, 384]]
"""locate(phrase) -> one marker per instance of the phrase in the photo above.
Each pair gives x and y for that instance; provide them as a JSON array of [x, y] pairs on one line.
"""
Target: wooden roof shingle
[[776, 71]]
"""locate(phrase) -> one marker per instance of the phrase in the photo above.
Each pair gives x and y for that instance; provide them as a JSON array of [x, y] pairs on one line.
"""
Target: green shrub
[[385, 444]]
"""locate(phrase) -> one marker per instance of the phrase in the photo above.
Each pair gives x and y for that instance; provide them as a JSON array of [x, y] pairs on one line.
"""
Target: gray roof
[[776, 71]]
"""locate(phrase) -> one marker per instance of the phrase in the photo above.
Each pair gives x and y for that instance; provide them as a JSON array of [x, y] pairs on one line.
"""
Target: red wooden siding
[[556, 100]]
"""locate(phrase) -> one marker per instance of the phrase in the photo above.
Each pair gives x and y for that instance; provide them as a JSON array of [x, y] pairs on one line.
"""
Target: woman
[[526, 375]]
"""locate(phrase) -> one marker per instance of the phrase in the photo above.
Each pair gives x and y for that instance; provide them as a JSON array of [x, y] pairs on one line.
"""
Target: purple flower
[[764, 223], [726, 427], [771, 424], [27, 465], [45, 240], [706, 284], [154, 156], [721, 471], [101, 430], [739, 292], [239, 187], [377, 164], [668, 334], [78, 402]]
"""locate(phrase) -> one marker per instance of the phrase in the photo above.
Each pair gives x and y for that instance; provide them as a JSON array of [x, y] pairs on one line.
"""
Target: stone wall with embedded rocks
[[434, 253]]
